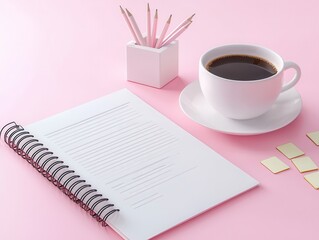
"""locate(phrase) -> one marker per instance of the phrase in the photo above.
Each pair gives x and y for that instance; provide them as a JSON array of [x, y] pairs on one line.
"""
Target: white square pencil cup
[[153, 67]]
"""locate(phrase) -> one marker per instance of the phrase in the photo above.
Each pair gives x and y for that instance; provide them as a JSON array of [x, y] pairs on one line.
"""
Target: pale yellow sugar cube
[[290, 150], [304, 164], [313, 179], [314, 136], [274, 164]]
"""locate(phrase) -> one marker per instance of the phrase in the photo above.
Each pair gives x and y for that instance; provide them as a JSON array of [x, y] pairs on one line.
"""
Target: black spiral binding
[[30, 149]]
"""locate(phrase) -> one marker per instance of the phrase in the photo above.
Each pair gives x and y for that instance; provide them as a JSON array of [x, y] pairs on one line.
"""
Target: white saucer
[[284, 111]]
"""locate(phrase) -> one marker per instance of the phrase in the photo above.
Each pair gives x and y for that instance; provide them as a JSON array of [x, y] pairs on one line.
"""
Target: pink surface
[[56, 54]]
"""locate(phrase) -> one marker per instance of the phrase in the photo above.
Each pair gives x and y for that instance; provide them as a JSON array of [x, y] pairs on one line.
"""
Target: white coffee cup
[[244, 99]]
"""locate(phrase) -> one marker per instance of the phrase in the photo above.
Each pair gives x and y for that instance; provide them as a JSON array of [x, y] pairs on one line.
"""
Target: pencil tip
[[169, 19], [122, 9], [156, 15], [190, 18], [148, 7], [128, 12]]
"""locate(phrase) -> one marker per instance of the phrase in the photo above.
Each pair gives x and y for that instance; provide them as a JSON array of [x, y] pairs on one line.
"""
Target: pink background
[[56, 54]]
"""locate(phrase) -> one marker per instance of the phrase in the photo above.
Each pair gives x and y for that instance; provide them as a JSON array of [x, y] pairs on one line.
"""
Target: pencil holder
[[151, 66]]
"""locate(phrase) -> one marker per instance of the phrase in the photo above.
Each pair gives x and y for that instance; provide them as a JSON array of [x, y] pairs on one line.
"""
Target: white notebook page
[[157, 174]]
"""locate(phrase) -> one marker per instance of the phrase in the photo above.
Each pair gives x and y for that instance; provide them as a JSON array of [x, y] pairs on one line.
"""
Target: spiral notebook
[[126, 164]]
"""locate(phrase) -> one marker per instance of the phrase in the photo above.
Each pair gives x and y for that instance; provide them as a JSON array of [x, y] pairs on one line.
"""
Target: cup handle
[[295, 78]]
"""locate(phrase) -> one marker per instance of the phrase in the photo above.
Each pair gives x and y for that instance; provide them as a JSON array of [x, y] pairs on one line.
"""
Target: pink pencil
[[154, 29], [160, 40], [135, 27], [149, 37], [178, 33], [185, 22], [130, 26]]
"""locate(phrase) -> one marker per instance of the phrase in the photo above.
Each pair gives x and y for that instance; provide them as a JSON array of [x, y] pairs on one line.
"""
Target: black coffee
[[241, 67]]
